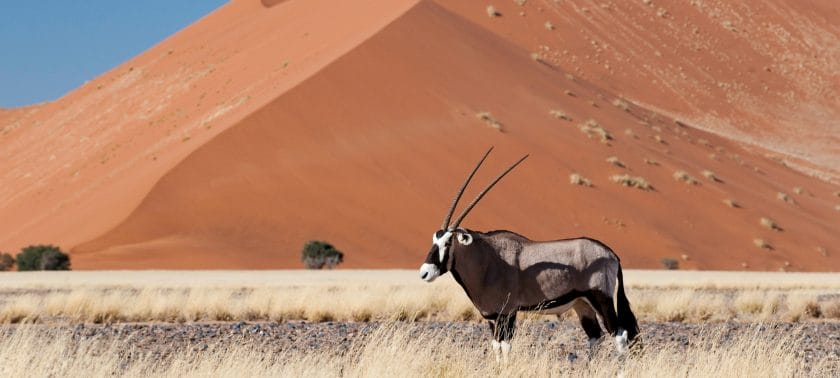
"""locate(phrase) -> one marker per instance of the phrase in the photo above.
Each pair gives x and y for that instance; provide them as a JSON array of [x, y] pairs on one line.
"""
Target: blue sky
[[50, 47]]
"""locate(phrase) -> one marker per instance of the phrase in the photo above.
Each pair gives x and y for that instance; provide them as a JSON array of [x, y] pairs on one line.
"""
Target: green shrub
[[669, 263], [7, 262], [42, 257], [319, 254]]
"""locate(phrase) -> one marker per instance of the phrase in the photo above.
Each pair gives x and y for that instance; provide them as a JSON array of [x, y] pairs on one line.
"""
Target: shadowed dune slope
[[270, 123], [368, 152]]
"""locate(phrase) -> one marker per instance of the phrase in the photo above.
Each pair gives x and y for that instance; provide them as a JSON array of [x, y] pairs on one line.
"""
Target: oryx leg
[[589, 322], [503, 328], [604, 306]]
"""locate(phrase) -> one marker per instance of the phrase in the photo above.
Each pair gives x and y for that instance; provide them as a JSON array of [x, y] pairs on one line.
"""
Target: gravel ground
[[821, 339]]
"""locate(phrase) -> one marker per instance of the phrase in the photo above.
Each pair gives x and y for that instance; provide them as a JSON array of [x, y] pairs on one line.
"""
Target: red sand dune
[[267, 124]]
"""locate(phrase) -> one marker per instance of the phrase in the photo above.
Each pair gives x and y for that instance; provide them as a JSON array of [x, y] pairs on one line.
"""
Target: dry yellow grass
[[731, 203], [592, 128], [372, 295], [559, 114], [578, 179], [489, 120], [631, 181], [615, 161], [394, 350], [683, 176], [769, 223]]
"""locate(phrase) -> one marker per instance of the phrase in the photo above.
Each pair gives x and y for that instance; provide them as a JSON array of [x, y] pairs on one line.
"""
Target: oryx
[[503, 272]]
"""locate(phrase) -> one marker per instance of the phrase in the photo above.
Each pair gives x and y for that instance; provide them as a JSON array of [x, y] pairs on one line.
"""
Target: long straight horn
[[483, 192], [461, 191]]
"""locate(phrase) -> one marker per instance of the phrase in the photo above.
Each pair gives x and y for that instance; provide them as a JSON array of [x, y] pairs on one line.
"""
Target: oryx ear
[[464, 238]]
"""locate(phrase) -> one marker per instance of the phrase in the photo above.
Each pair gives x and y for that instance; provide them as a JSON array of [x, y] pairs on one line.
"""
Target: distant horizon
[[53, 47]]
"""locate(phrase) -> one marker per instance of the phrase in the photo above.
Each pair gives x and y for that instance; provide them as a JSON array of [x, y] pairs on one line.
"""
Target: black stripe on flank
[[557, 302]]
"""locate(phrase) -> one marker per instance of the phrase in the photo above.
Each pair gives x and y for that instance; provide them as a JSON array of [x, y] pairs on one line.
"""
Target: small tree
[[319, 254], [7, 262], [669, 263], [42, 257]]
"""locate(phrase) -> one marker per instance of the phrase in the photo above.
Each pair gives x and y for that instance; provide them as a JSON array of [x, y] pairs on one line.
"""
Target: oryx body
[[503, 272]]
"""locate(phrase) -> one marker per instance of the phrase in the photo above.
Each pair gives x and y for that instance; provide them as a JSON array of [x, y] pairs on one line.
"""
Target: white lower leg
[[497, 349], [505, 350], [621, 341]]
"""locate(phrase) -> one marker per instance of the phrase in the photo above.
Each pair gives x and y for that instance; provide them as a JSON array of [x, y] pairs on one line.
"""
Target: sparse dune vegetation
[[631, 181], [763, 244], [578, 179], [770, 224], [711, 176], [593, 129], [621, 104], [615, 161], [781, 196], [732, 203], [488, 119], [683, 176], [559, 114]]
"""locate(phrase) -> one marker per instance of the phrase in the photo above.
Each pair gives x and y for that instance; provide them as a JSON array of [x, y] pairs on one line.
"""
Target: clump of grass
[[569, 93], [770, 224], [492, 12], [520, 2], [490, 120], [614, 161], [784, 197], [659, 139], [831, 310], [631, 181], [592, 128], [621, 104], [548, 25], [732, 203], [577, 179], [537, 57], [630, 133], [837, 207], [711, 175], [651, 161], [798, 190], [763, 244], [684, 177], [728, 25], [836, 194], [559, 114], [822, 251]]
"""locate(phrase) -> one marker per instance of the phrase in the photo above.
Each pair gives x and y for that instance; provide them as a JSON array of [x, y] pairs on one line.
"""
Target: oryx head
[[437, 262]]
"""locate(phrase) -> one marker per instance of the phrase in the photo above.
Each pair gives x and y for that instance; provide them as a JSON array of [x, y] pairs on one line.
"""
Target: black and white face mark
[[441, 242]]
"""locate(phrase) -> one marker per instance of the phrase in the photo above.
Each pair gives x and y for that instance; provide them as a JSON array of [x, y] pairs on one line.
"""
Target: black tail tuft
[[626, 318]]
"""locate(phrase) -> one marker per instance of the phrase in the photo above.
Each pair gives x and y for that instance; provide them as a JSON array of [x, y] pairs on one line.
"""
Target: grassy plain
[[358, 295], [39, 308]]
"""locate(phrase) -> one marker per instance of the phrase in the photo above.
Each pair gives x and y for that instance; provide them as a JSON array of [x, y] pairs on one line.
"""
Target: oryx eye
[[439, 234]]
